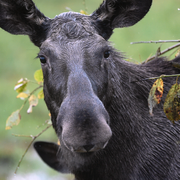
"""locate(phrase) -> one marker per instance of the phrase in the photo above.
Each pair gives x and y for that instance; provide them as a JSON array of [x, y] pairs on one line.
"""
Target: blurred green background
[[17, 60]]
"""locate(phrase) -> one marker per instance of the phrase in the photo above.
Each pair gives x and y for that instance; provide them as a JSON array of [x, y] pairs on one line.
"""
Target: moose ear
[[119, 13], [50, 153], [22, 17]]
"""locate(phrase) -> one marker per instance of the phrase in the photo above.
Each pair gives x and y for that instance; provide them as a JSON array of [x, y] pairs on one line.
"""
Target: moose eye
[[42, 59], [107, 54]]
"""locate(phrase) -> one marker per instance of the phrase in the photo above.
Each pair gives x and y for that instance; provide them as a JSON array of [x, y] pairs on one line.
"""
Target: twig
[[34, 82], [84, 3], [30, 95], [33, 139], [161, 53], [173, 52], [177, 79], [17, 135], [160, 41], [153, 78]]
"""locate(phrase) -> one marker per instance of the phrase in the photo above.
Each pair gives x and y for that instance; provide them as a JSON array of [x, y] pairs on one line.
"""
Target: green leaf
[[155, 94], [13, 120], [172, 103], [33, 101], [38, 76], [41, 94], [21, 85]]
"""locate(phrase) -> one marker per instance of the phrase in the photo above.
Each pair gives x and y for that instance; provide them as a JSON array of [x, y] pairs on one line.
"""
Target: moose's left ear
[[119, 13], [50, 153], [22, 17]]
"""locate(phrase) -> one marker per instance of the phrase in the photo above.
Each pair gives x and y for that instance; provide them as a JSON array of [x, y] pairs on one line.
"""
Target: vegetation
[[17, 57]]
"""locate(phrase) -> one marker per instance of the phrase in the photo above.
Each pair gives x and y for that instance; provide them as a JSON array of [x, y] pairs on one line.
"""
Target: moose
[[97, 101]]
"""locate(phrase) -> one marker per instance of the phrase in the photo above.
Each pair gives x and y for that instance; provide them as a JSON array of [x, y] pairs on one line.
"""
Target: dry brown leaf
[[155, 94]]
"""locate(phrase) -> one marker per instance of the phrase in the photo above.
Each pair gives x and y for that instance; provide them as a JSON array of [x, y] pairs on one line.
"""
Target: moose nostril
[[88, 147]]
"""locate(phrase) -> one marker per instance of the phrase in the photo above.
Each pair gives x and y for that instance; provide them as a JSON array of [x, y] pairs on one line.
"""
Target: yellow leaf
[[83, 12], [38, 76], [172, 103], [41, 95], [177, 53], [8, 128], [155, 94], [33, 101], [13, 120], [58, 142], [22, 95], [21, 85]]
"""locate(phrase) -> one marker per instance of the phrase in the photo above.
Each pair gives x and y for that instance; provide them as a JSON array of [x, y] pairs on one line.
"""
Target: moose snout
[[85, 125], [89, 135], [87, 142], [83, 119]]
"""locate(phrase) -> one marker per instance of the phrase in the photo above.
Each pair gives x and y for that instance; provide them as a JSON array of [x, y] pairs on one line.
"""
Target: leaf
[[83, 12], [49, 121], [41, 95], [13, 120], [22, 95], [155, 94], [58, 142], [21, 85], [177, 53], [33, 101], [172, 103], [38, 76]]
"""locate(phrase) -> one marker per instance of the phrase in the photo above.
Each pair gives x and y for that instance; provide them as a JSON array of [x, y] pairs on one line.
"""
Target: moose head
[[74, 55]]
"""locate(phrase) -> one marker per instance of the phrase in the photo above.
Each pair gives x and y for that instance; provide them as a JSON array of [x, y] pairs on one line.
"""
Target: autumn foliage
[[24, 94], [172, 102]]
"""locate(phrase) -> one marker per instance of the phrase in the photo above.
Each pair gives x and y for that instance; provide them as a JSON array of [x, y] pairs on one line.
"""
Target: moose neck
[[130, 96]]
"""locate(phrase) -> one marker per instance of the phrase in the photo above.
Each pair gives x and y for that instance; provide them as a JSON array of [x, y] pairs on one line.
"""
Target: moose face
[[74, 54], [74, 62]]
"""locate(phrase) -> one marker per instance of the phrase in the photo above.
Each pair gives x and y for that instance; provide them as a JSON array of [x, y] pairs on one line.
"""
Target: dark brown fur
[[97, 100]]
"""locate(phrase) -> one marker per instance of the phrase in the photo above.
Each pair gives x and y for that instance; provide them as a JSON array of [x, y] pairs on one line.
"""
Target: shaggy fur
[[97, 100]]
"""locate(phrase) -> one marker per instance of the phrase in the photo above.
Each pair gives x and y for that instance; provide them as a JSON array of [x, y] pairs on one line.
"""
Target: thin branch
[[30, 96], [163, 76], [17, 135], [177, 79], [160, 41], [176, 52], [34, 82], [153, 78], [161, 53], [84, 3], [33, 139]]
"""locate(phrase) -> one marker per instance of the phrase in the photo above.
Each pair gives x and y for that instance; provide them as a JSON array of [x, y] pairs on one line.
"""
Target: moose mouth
[[90, 148], [86, 149]]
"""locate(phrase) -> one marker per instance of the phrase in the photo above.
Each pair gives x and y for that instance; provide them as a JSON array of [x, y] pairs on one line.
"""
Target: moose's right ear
[[119, 13], [22, 17]]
